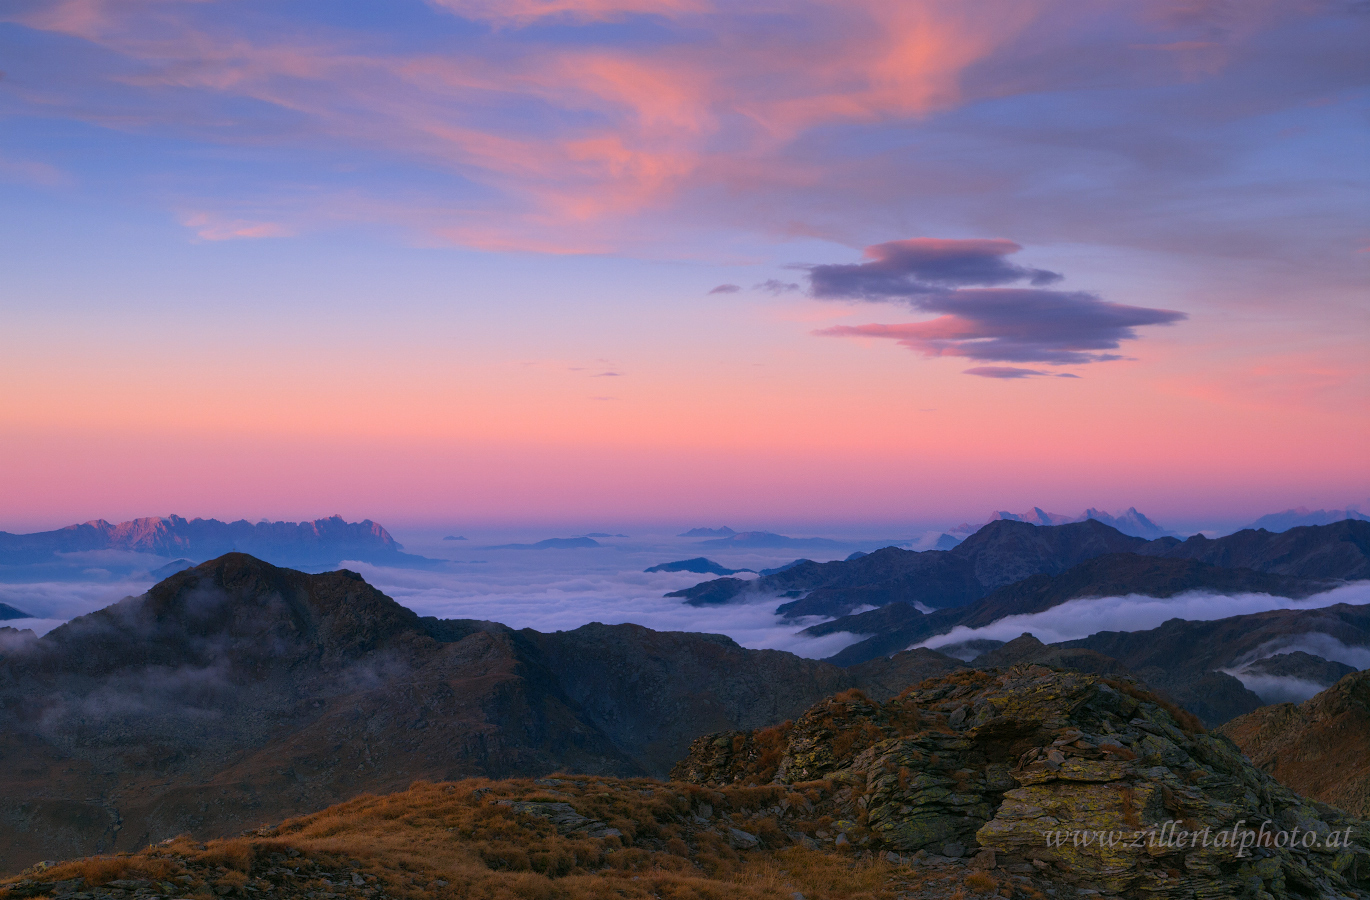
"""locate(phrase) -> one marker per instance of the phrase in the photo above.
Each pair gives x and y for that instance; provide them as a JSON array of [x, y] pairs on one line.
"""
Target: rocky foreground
[[979, 783], [1089, 779]]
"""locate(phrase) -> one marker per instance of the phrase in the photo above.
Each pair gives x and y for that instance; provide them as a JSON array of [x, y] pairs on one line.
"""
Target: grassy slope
[[476, 839]]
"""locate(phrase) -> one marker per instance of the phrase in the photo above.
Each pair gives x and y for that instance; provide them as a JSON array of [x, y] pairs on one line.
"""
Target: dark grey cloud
[[989, 323], [1003, 372], [901, 269], [726, 289], [776, 286]]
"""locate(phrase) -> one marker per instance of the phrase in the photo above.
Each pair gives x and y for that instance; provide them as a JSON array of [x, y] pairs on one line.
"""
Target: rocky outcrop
[[1091, 778], [1320, 748]]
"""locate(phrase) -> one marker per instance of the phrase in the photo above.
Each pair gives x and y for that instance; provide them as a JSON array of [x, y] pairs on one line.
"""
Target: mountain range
[[573, 543], [725, 531], [898, 625], [236, 692], [1006, 551], [71, 550], [1130, 521], [1302, 515], [275, 692]]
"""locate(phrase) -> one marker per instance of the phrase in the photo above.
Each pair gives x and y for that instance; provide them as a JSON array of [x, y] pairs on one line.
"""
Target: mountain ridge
[[321, 542], [280, 692]]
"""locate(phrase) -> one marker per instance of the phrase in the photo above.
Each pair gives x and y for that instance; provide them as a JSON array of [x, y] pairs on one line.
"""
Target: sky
[[803, 264]]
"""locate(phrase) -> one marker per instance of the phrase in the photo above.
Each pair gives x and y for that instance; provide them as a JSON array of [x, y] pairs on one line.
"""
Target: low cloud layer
[[977, 317]]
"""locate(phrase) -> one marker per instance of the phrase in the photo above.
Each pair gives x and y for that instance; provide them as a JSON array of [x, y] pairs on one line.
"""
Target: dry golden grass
[[458, 840], [982, 882]]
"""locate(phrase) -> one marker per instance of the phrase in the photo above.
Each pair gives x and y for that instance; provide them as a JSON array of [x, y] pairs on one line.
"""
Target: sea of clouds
[[563, 589]]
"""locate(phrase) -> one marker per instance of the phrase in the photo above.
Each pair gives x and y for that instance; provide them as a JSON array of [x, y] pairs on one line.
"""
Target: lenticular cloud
[[978, 318]]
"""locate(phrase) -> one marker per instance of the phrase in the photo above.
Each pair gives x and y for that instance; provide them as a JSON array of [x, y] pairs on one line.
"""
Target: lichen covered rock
[[1092, 779]]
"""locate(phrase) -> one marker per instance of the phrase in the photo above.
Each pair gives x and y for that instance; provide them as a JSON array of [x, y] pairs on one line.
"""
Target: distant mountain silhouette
[[1130, 521], [1002, 552], [171, 568], [774, 570], [575, 543], [1302, 515], [323, 542], [698, 564], [1007, 551], [1037, 516], [9, 612], [454, 537], [766, 540], [725, 531]]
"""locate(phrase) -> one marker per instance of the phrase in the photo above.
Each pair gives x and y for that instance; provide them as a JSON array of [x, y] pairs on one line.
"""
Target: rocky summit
[[1091, 780]]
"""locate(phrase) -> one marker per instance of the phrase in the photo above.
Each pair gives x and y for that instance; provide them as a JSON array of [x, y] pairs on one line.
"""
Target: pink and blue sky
[[681, 261]]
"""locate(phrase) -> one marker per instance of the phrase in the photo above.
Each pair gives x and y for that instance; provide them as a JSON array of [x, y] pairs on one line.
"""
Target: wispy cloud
[[211, 227], [1003, 372], [777, 287], [726, 289]]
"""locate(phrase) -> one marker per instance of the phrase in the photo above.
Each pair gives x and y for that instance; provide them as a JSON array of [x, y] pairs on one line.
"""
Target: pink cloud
[[638, 125], [521, 12], [211, 227], [26, 171]]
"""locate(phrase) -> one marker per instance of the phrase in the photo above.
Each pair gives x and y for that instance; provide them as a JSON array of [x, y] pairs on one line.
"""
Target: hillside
[[1320, 748], [281, 692], [569, 837], [1340, 550], [943, 793]]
